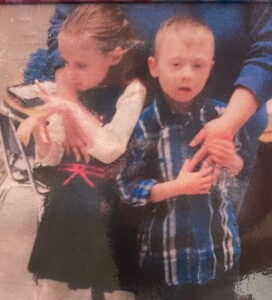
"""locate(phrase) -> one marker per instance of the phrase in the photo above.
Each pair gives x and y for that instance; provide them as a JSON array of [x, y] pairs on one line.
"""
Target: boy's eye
[[176, 65], [81, 66], [198, 66]]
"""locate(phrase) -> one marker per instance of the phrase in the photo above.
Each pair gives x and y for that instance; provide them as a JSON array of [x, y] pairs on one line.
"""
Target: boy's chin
[[180, 105]]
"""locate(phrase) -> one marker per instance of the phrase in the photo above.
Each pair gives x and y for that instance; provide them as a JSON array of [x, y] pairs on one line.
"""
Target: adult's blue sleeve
[[256, 74]]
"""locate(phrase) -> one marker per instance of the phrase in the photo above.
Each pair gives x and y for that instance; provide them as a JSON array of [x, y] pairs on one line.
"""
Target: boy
[[189, 244]]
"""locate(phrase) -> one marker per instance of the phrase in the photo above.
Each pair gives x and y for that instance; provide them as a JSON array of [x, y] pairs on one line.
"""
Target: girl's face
[[86, 66]]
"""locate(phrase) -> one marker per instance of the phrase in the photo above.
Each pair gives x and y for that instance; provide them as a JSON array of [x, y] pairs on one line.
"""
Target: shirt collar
[[168, 116]]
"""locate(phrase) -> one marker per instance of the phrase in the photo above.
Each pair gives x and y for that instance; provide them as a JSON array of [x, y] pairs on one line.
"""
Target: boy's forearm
[[165, 190]]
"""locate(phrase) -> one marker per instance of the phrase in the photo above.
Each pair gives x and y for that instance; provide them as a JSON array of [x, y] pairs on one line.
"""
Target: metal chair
[[13, 112]]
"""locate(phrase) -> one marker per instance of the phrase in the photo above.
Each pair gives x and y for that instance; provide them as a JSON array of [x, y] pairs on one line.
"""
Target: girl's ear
[[152, 65], [116, 55]]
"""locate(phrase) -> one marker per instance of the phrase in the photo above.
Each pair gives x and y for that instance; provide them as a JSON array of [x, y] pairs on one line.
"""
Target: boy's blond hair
[[178, 23]]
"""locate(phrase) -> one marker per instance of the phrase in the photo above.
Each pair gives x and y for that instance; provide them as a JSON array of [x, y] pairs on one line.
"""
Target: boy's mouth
[[185, 89]]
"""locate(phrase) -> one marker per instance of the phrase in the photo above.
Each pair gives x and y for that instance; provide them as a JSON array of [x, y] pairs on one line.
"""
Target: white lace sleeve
[[111, 140]]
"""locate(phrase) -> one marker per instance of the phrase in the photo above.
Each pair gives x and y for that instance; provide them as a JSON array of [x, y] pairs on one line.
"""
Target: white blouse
[[110, 140]]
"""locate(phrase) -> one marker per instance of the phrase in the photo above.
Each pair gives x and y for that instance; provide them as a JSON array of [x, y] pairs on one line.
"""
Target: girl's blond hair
[[107, 24]]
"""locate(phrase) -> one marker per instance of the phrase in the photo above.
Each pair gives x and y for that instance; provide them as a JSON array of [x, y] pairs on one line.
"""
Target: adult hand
[[242, 105], [215, 129], [223, 153]]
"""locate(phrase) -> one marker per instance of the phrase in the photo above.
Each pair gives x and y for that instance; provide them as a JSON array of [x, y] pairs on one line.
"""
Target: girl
[[71, 247]]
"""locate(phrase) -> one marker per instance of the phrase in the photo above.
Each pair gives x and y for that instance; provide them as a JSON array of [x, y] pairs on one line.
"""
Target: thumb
[[186, 166], [198, 139]]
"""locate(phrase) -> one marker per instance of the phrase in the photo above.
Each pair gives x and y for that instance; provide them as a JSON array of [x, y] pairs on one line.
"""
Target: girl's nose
[[72, 74]]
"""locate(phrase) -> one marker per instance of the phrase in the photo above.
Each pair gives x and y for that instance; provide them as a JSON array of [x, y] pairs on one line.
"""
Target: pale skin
[[242, 101], [189, 182], [182, 71], [85, 68]]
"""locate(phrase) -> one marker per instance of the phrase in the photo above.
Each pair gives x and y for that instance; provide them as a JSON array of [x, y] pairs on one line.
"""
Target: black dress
[[72, 243]]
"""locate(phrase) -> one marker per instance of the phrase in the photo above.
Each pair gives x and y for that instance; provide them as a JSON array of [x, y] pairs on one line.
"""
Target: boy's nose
[[186, 73]]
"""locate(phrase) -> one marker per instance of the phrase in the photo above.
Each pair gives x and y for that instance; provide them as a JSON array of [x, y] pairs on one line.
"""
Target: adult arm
[[253, 85]]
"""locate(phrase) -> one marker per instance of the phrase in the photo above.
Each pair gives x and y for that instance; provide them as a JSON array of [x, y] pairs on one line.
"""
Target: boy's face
[[182, 64], [85, 64]]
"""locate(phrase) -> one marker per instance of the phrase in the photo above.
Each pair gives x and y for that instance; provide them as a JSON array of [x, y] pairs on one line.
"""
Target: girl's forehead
[[79, 41]]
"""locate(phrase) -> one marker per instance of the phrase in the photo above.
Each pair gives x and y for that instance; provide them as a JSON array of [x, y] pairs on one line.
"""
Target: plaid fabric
[[191, 239]]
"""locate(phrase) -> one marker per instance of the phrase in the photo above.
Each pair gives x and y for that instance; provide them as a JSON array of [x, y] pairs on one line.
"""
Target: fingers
[[76, 153], [81, 153], [216, 173], [205, 190], [44, 133], [186, 167], [42, 92], [42, 148], [85, 154], [221, 146], [199, 155], [78, 148], [199, 138], [24, 133], [26, 128], [205, 171]]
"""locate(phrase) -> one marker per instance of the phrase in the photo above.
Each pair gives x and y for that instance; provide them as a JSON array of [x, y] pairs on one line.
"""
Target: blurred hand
[[195, 182], [215, 129]]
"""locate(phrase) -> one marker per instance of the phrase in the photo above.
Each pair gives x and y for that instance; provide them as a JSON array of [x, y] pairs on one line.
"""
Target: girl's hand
[[75, 141], [192, 183], [64, 88], [79, 153], [33, 123], [223, 153], [42, 140]]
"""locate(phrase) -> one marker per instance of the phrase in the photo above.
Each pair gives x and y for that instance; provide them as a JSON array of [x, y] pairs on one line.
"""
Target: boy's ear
[[152, 65], [213, 63], [116, 55]]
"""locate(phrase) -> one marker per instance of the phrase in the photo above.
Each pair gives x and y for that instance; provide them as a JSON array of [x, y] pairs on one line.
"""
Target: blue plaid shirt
[[193, 238]]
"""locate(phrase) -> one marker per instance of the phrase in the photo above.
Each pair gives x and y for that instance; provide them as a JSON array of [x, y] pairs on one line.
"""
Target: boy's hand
[[223, 153], [192, 183], [186, 183]]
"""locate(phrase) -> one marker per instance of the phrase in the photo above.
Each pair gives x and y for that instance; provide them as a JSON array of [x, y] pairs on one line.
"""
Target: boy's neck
[[178, 107]]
